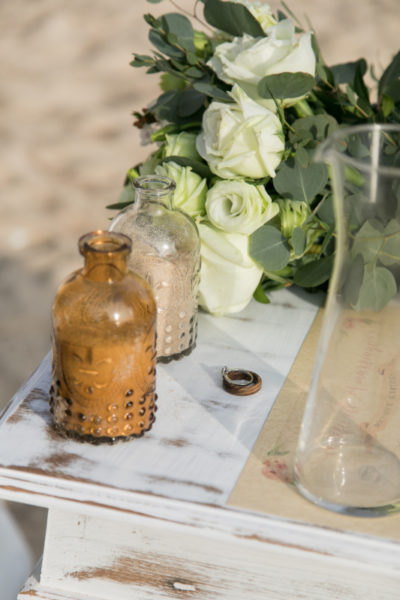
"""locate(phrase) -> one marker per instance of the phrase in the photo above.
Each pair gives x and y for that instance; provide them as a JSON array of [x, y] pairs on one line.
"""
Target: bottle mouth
[[156, 185], [104, 242]]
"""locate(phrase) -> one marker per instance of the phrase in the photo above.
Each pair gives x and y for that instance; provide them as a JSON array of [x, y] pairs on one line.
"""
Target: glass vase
[[348, 455], [103, 332], [166, 252]]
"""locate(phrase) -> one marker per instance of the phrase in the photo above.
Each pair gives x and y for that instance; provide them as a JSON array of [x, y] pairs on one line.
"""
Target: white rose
[[228, 275], [261, 12], [181, 144], [246, 60], [243, 139], [239, 207], [191, 189]]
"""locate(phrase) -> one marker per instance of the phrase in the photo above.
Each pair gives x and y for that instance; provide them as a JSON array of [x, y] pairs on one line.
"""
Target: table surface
[[181, 474], [184, 470], [202, 435]]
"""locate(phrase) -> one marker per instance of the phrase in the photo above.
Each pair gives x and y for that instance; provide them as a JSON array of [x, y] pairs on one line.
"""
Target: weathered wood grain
[[146, 559], [148, 518], [202, 435]]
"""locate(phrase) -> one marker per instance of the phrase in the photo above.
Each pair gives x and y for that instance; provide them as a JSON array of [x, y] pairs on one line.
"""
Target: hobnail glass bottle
[[103, 333], [166, 252]]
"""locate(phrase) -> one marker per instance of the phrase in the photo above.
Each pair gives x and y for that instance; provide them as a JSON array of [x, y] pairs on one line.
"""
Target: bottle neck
[[154, 188], [105, 255]]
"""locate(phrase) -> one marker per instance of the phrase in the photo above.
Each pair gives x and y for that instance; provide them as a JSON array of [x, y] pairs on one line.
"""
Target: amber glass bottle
[[104, 354]]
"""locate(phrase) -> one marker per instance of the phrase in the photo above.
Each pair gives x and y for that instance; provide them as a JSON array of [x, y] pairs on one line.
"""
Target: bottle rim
[[156, 185], [104, 242]]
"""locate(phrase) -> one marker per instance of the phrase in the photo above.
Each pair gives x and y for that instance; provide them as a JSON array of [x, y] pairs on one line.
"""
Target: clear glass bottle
[[348, 455], [103, 333], [166, 252]]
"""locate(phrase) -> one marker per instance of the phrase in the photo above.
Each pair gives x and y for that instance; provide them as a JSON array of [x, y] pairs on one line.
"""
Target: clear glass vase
[[348, 455], [165, 252], [104, 358]]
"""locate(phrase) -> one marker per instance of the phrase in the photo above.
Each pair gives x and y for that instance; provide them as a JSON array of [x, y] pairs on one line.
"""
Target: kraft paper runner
[[266, 482]]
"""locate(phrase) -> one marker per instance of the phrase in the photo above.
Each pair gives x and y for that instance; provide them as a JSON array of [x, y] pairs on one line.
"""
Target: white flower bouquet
[[242, 111]]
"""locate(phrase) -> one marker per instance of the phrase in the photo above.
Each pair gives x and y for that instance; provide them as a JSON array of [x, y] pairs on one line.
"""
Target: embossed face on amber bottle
[[88, 371]]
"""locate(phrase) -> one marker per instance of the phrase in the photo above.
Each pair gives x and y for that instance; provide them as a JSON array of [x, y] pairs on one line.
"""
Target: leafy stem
[[275, 277], [303, 109], [191, 15]]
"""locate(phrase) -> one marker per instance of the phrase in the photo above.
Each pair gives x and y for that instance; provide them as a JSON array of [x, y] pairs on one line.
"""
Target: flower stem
[[191, 15], [303, 109], [282, 280]]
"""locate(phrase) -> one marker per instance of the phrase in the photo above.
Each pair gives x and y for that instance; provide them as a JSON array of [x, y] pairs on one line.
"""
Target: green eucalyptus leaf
[[365, 105], [393, 90], [324, 73], [269, 248], [346, 72], [152, 21], [211, 90], [189, 102], [358, 149], [390, 74], [377, 289], [197, 166], [356, 213], [328, 244], [191, 58], [177, 65], [166, 106], [351, 95], [314, 273], [159, 135], [154, 1], [153, 69], [159, 41], [179, 26], [232, 17], [316, 127], [368, 240], [326, 210], [162, 63], [333, 104], [172, 39], [260, 295], [387, 105], [298, 183], [354, 278], [170, 82], [176, 107], [194, 72], [390, 252], [303, 137], [303, 158], [359, 85], [299, 241], [141, 60], [285, 85]]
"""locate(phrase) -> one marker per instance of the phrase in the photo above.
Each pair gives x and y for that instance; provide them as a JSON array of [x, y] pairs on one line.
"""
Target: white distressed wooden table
[[148, 519]]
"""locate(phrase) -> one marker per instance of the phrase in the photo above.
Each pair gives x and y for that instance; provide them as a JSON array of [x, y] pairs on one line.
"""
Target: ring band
[[240, 382]]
